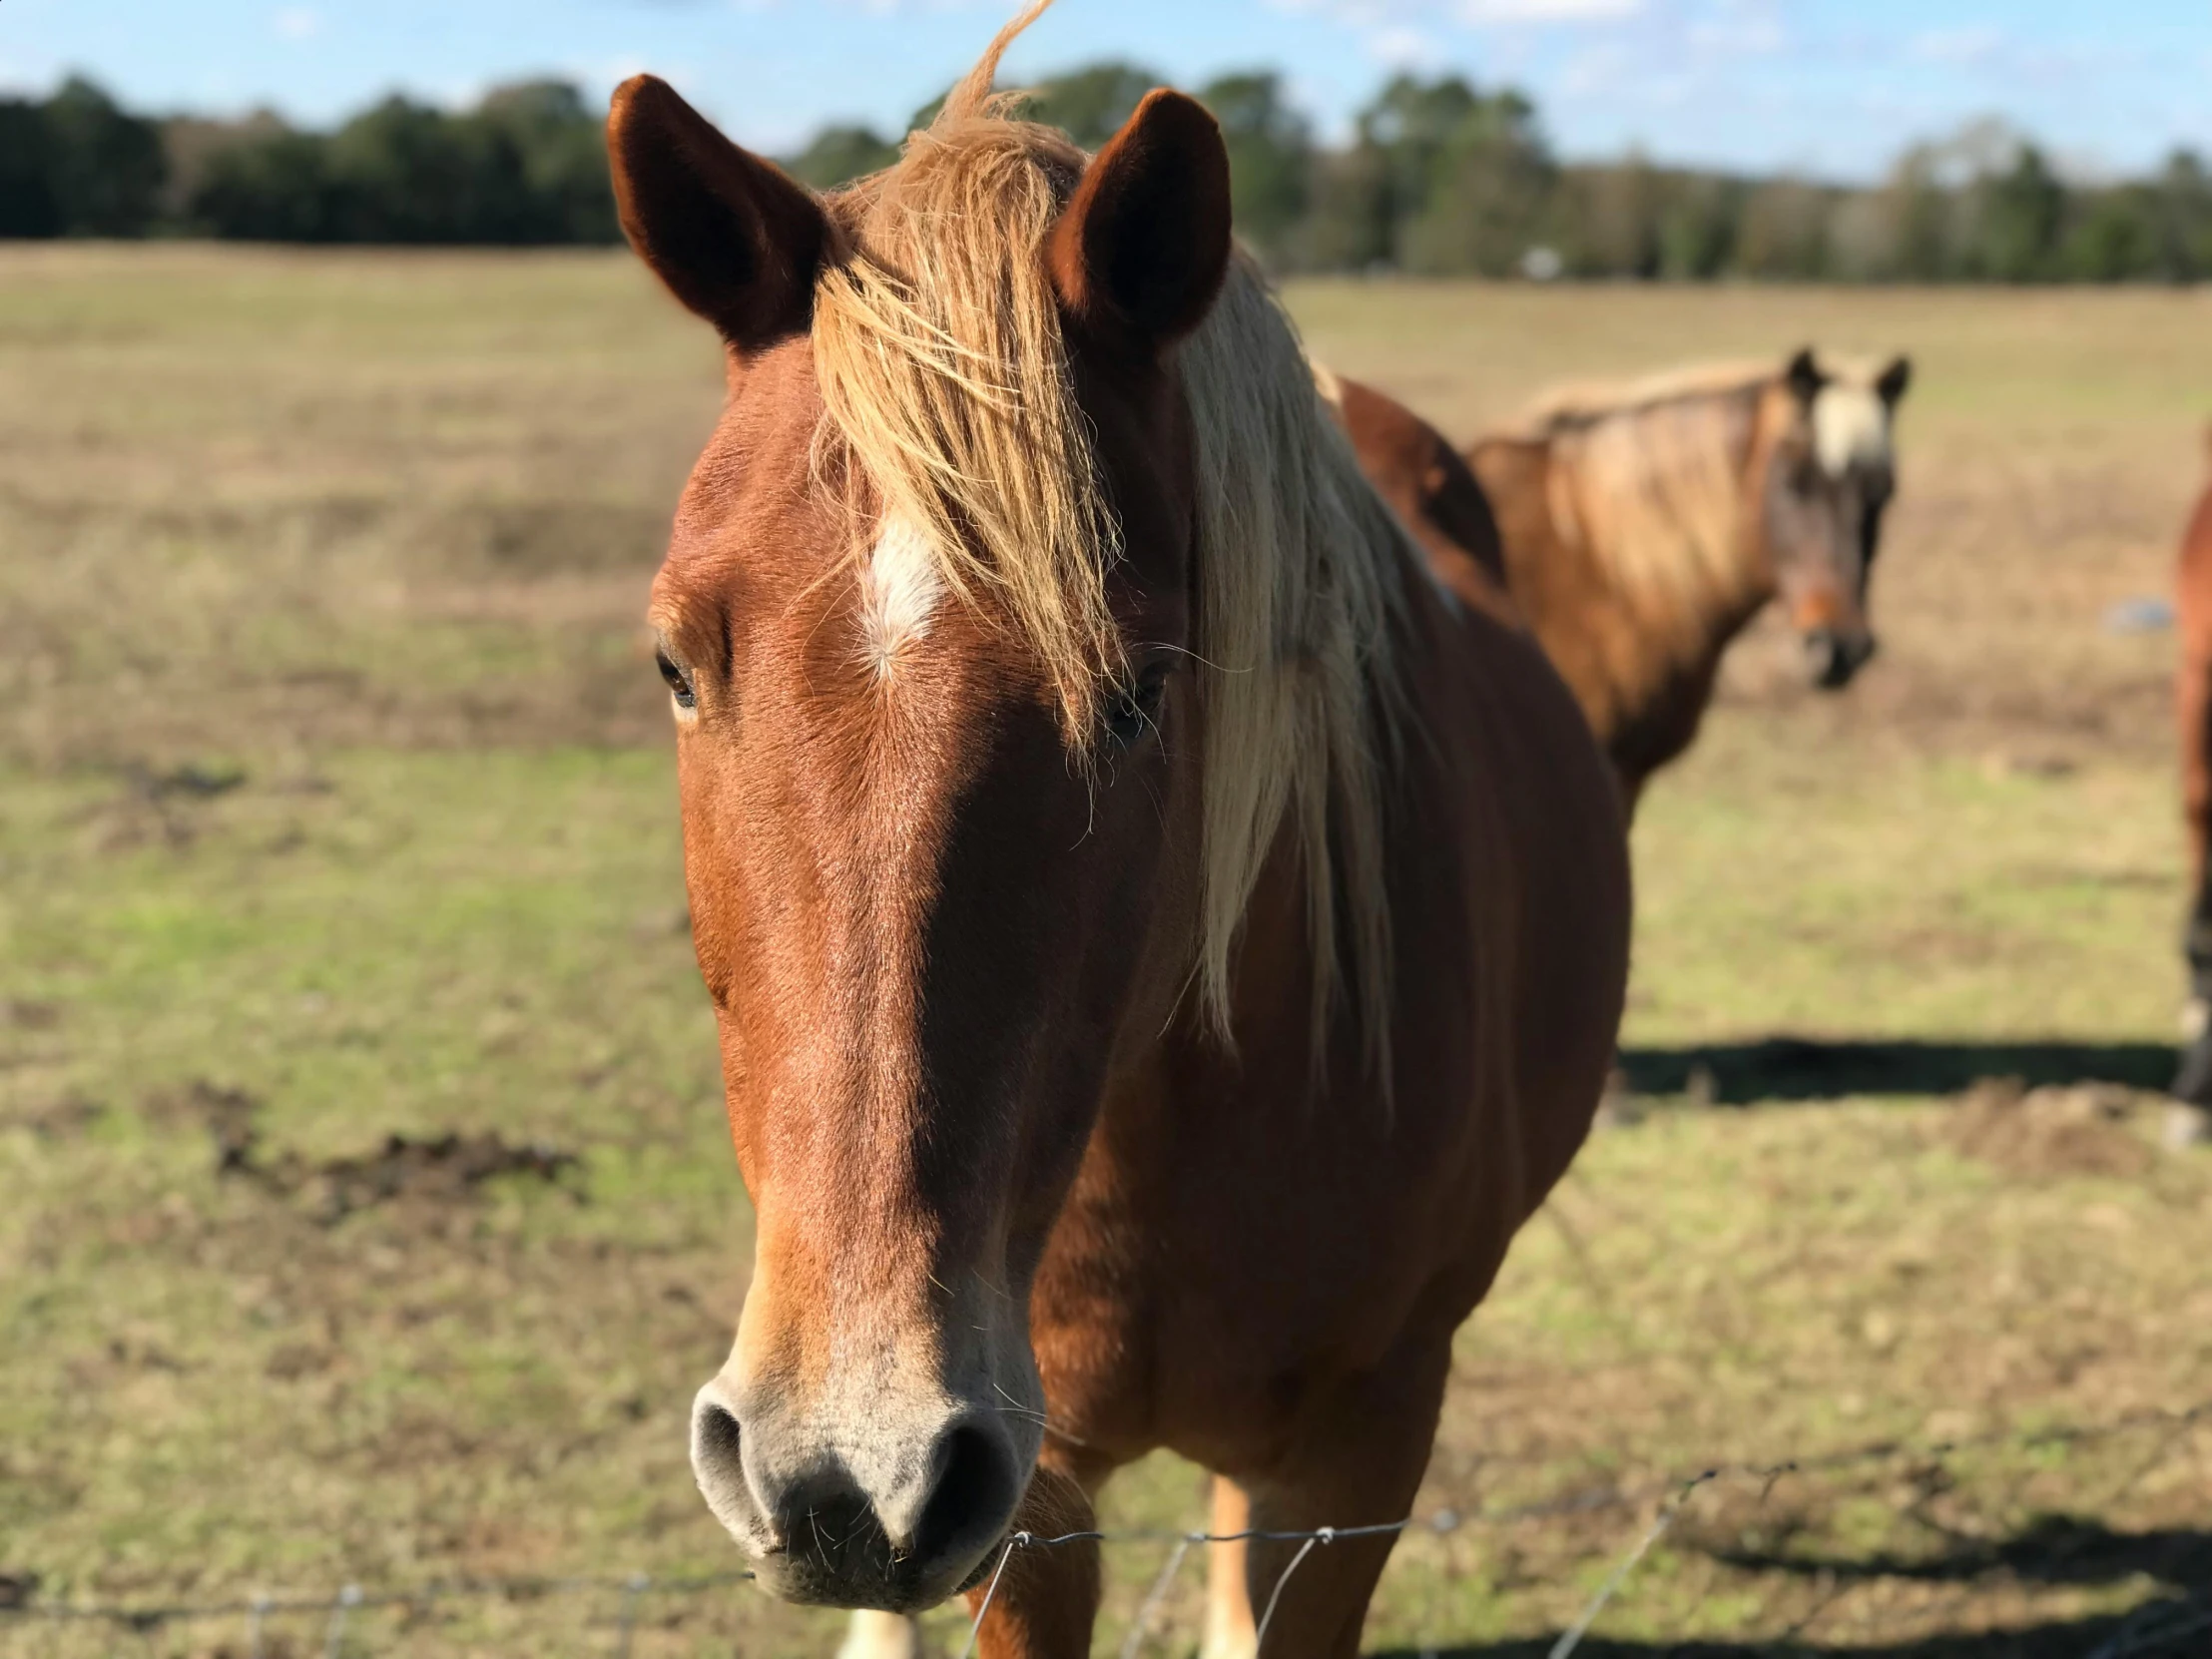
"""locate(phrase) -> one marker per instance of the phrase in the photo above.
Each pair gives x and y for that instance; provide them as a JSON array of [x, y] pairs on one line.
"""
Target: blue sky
[[1832, 87]]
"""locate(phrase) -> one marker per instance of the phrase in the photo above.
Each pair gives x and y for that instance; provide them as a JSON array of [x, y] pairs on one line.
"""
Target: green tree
[[1271, 158], [1783, 231], [1466, 173], [2115, 238], [2021, 212], [1089, 104], [1698, 225], [2184, 192], [1348, 224], [267, 185], [838, 155], [1919, 217], [28, 206], [563, 148], [1610, 221], [107, 165]]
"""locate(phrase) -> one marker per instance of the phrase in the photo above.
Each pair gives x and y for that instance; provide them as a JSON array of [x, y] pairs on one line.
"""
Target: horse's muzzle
[[1834, 655], [895, 1526]]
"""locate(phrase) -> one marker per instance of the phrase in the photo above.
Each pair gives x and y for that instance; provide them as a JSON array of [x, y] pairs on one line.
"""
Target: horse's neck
[[1676, 630]]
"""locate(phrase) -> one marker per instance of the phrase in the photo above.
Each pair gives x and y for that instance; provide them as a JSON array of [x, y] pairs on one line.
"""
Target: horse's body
[[1428, 484], [1644, 526], [1163, 944], [2193, 709]]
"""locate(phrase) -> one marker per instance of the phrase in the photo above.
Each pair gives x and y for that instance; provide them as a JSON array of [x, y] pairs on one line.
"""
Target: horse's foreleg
[[1045, 1599], [2190, 1121], [1229, 1629], [873, 1635], [1361, 1468]]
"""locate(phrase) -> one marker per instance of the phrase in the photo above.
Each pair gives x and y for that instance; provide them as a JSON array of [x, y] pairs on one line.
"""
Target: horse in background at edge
[[1641, 527], [2190, 1122], [1163, 946]]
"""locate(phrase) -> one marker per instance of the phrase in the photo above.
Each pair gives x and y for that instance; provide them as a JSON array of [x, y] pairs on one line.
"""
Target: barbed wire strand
[[1326, 1535], [2126, 1642], [626, 1621], [1140, 1626], [348, 1598], [260, 1607], [975, 1631], [1572, 1637]]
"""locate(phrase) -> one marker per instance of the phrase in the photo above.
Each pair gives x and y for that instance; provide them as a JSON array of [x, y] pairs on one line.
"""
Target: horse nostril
[[974, 1496], [718, 1462], [1832, 658], [716, 1435]]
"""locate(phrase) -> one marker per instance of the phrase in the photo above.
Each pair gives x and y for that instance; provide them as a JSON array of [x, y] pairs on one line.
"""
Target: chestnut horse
[[1163, 944], [1644, 526], [2193, 705]]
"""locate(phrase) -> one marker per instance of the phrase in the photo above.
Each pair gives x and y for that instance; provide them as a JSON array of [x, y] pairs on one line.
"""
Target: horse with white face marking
[[1162, 946], [1643, 527]]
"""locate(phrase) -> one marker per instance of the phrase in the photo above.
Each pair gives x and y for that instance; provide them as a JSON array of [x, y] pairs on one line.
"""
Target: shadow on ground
[[2051, 1550], [1802, 1069], [2165, 1630]]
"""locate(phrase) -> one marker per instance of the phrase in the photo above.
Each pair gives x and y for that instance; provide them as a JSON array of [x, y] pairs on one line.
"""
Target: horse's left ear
[[1804, 376], [731, 236], [1140, 251], [1894, 382]]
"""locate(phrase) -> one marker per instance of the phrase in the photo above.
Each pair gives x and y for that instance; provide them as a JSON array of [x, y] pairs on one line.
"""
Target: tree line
[[1439, 177]]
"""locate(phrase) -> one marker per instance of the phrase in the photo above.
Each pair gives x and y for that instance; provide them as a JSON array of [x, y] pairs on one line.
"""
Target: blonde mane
[[1650, 479], [939, 348]]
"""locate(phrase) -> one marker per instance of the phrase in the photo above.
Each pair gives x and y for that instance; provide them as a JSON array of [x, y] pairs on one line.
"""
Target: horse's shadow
[[2053, 1550], [1787, 1068]]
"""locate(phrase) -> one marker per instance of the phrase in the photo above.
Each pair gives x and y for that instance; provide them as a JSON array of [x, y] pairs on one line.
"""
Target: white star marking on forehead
[[903, 587], [1850, 423]]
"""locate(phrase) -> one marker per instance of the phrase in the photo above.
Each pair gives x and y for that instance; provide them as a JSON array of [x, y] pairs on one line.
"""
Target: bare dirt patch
[[2091, 1129]]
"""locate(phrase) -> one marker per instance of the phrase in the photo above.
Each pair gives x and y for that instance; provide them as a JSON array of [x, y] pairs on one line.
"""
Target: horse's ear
[[1894, 382], [732, 237], [1139, 255], [1804, 376]]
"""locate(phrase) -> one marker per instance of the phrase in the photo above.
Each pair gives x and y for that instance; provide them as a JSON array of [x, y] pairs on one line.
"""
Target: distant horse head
[[1645, 524], [1834, 471], [1001, 643]]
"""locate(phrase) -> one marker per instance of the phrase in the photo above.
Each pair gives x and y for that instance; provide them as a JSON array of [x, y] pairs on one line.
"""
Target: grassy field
[[335, 806]]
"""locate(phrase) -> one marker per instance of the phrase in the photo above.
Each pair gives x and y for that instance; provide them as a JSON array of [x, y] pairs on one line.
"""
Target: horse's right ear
[[732, 237], [1804, 376], [1140, 251]]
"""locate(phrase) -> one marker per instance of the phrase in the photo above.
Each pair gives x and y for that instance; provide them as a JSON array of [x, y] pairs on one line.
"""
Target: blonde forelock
[[937, 345]]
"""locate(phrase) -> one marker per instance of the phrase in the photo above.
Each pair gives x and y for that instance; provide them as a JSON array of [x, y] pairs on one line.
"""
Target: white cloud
[[1471, 13], [1740, 32], [1975, 44], [1401, 46], [298, 23], [1547, 11]]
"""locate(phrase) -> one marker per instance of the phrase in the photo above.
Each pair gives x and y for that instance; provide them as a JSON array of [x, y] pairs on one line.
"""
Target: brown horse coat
[[2193, 719], [1642, 527], [1164, 943]]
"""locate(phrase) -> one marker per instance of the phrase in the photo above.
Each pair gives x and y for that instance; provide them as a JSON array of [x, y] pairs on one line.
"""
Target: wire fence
[[2159, 1627]]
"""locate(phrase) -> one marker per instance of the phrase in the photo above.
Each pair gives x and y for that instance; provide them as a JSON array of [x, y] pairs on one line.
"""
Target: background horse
[[1644, 526], [1163, 948], [2193, 706]]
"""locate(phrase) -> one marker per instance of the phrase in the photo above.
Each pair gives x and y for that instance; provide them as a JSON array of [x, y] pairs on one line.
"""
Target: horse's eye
[[1135, 710], [678, 682]]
